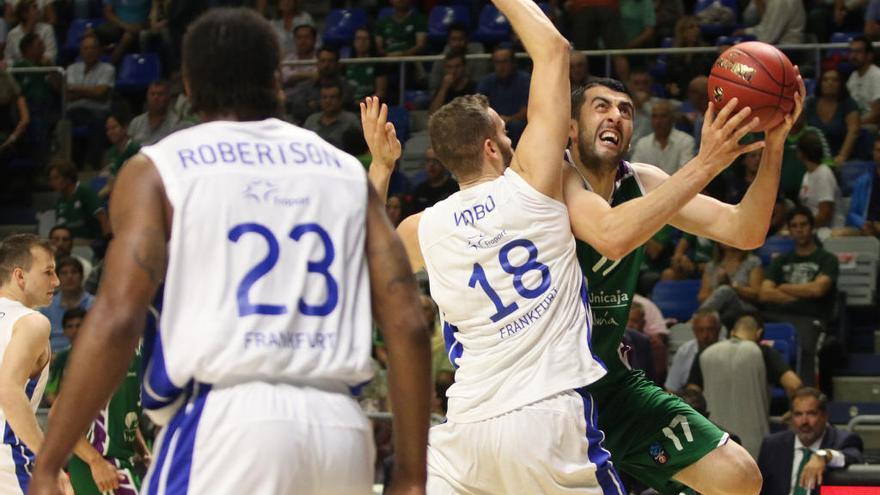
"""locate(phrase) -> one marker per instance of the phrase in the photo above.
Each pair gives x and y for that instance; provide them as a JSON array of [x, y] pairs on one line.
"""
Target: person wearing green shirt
[[104, 458], [799, 288], [404, 32], [78, 207], [122, 147]]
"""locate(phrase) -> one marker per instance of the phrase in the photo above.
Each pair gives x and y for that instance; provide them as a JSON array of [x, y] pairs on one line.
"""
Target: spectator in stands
[[579, 69], [366, 79], [741, 175], [15, 117], [122, 147], [658, 251], [689, 257], [694, 107], [638, 19], [158, 121], [78, 207], [738, 371], [41, 93], [782, 22], [62, 240], [304, 99], [706, 325], [89, 84], [792, 167], [799, 288], [332, 122], [731, 283], [639, 86], [45, 9], [70, 323], [655, 324], [508, 91], [125, 20], [646, 317], [456, 81], [394, 209], [864, 82], [835, 113], [306, 40], [290, 15], [438, 184], [872, 20], [70, 295], [157, 36], [667, 13], [594, 20], [666, 146], [403, 33], [640, 353], [682, 69], [29, 22], [863, 217], [819, 190], [793, 461], [457, 40], [849, 15]]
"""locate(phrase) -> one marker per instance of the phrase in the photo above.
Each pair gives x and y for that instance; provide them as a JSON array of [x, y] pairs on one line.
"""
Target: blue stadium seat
[[860, 365], [744, 37], [442, 16], [75, 33], [850, 173], [493, 27], [810, 84], [417, 99], [840, 412], [97, 183], [546, 8], [138, 70], [784, 347], [676, 298], [773, 246], [724, 40], [781, 332], [840, 37], [399, 116], [384, 12], [340, 25]]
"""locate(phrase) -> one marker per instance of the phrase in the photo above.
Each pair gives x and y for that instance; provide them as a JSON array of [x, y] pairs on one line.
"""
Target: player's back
[[267, 278], [500, 258]]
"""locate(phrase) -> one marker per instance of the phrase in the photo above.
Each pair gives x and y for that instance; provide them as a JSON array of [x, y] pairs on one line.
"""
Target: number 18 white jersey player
[[278, 256]]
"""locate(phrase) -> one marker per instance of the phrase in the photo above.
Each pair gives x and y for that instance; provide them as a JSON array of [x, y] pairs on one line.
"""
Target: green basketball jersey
[[612, 283]]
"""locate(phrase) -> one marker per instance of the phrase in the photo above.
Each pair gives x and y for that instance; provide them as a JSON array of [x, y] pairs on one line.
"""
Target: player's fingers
[[748, 148], [734, 123], [383, 115], [725, 112], [746, 128], [709, 116]]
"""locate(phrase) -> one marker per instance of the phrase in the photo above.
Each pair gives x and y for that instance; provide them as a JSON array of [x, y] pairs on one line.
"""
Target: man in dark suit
[[793, 462]]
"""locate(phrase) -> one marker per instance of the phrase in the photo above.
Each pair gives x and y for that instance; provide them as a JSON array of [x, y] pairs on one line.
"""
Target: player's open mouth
[[610, 137]]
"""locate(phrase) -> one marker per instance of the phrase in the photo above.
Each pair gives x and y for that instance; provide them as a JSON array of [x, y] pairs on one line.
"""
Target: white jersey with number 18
[[267, 277], [501, 262]]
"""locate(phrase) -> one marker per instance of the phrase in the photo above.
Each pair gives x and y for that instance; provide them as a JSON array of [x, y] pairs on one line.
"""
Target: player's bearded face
[[506, 150], [590, 146]]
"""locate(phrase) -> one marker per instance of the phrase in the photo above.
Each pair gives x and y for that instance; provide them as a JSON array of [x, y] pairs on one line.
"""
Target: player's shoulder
[[33, 322], [410, 225]]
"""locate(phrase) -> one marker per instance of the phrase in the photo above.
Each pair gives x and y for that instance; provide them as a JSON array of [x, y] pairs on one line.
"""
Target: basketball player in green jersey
[[615, 207]]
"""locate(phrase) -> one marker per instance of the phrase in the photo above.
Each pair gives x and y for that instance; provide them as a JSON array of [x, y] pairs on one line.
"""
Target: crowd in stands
[[828, 187]]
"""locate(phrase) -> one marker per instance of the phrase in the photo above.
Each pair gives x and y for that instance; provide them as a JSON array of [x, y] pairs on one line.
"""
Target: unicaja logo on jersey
[[602, 299]]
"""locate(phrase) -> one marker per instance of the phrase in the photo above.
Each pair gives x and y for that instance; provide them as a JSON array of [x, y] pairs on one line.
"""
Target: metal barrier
[[816, 48]]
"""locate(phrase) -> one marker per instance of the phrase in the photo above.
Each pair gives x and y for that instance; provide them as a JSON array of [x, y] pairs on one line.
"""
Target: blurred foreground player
[[27, 281], [270, 243], [501, 262]]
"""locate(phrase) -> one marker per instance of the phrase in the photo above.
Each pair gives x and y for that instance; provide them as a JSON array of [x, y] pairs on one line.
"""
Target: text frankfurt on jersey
[[526, 320], [290, 340], [250, 154]]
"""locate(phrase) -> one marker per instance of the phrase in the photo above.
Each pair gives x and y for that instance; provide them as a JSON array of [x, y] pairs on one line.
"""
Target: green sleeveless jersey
[[612, 283]]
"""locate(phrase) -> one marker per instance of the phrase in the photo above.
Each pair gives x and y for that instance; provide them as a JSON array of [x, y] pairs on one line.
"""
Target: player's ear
[[490, 148], [572, 130]]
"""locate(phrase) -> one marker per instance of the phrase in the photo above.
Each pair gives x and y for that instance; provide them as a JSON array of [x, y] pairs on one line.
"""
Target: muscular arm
[[398, 313], [408, 230], [135, 265], [30, 339], [549, 106], [809, 290], [771, 294]]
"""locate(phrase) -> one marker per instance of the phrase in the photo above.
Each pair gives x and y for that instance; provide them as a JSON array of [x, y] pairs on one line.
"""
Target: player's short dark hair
[[811, 392], [810, 144], [15, 252], [844, 92], [869, 48], [801, 210], [71, 314], [579, 94], [56, 228], [26, 41], [70, 261], [330, 49], [230, 60], [458, 131], [65, 169]]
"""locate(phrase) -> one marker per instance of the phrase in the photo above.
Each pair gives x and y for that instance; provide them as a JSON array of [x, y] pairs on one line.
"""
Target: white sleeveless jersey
[[10, 312], [501, 262], [267, 276]]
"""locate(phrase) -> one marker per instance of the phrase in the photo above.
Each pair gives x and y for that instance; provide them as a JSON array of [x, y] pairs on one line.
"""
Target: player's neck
[[13, 294], [485, 176], [601, 177]]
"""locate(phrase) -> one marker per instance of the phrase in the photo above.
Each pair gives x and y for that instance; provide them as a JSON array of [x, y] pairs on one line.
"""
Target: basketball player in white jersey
[[501, 264], [270, 243], [27, 281]]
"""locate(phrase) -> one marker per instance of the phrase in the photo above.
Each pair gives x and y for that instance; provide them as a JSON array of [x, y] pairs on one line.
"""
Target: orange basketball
[[760, 76]]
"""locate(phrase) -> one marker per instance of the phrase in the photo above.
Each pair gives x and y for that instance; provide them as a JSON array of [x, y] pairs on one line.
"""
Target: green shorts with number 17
[[651, 434]]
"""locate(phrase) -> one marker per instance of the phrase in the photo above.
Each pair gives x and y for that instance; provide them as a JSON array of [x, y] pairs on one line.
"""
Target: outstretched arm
[[135, 265], [549, 106], [382, 140], [398, 312]]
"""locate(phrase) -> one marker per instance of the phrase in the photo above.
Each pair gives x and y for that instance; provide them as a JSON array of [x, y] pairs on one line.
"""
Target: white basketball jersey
[[10, 312], [267, 277], [501, 261]]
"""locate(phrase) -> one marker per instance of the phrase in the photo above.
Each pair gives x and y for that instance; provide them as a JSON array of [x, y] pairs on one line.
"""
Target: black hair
[[71, 314], [458, 26], [869, 48], [230, 61], [578, 95], [810, 144], [844, 92], [801, 210], [26, 41]]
